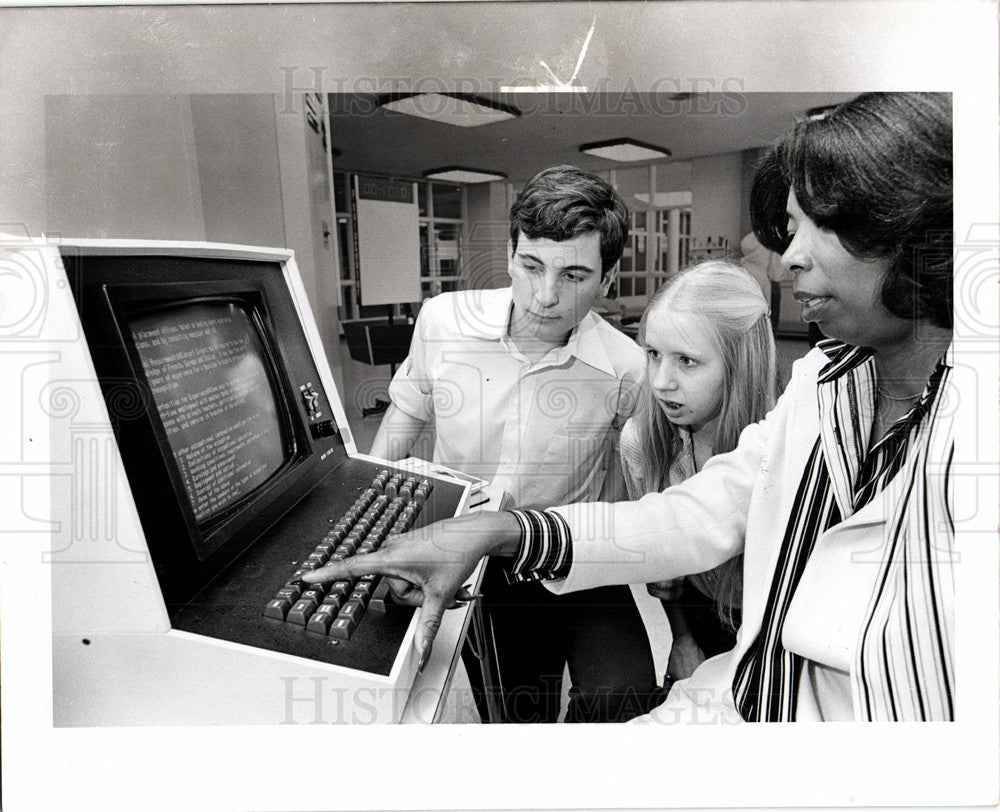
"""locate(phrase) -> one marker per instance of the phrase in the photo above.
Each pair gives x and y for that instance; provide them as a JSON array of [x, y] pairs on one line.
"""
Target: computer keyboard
[[233, 607], [388, 506]]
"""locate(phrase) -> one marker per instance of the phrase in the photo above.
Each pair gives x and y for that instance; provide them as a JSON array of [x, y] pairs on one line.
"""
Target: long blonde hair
[[731, 305]]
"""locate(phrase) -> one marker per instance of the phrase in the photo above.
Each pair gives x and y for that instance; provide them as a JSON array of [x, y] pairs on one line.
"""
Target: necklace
[[879, 395], [882, 394]]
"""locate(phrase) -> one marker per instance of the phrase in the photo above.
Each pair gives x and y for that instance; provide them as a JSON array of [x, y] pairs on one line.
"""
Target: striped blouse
[[903, 668]]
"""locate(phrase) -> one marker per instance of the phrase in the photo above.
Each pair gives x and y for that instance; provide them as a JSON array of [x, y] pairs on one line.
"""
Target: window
[[659, 230], [655, 251], [441, 207], [440, 238]]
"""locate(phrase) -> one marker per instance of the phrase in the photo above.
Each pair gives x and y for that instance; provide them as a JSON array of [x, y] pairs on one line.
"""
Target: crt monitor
[[232, 420]]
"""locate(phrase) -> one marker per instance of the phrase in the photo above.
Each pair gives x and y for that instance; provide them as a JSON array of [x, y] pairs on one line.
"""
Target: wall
[[231, 168], [307, 208], [236, 145], [716, 194], [749, 160], [486, 235], [121, 167]]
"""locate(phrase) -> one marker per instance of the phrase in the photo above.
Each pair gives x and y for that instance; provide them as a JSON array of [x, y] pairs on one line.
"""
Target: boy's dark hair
[[562, 202], [877, 171]]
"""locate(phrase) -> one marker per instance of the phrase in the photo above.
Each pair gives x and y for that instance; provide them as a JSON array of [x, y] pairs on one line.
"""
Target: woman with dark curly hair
[[838, 499]]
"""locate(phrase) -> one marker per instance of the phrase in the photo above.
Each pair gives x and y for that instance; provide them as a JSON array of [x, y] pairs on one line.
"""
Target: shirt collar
[[585, 342], [488, 316], [844, 358]]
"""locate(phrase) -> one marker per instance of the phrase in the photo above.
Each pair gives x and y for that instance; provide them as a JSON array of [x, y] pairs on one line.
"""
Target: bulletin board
[[388, 241]]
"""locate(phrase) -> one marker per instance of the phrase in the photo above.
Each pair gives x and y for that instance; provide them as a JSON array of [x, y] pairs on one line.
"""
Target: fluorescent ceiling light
[[451, 108], [460, 174], [625, 150]]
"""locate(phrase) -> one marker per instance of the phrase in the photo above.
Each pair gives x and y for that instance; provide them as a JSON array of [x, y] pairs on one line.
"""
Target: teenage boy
[[526, 387]]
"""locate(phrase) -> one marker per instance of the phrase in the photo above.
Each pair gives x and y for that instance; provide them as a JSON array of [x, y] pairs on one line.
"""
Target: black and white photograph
[[500, 405]]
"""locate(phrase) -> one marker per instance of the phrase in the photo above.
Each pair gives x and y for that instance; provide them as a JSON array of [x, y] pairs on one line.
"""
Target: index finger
[[347, 569]]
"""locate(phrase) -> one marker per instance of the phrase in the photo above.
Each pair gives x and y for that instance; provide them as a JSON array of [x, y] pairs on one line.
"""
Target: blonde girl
[[710, 371]]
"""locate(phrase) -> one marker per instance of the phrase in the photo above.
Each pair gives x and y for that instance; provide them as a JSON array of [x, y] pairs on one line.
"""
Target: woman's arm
[[435, 560], [688, 528]]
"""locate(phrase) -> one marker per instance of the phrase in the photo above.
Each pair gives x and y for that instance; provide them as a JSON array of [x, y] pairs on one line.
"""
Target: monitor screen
[[209, 375]]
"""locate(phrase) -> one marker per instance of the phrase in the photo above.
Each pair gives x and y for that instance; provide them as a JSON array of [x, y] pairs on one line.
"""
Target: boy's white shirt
[[538, 430]]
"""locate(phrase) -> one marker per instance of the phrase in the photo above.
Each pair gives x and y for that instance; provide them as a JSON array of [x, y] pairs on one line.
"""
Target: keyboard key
[[277, 608], [300, 612], [334, 602], [342, 588], [342, 628], [315, 593], [352, 609], [380, 480], [290, 594], [322, 619], [363, 591], [382, 600], [327, 547], [407, 488], [392, 486]]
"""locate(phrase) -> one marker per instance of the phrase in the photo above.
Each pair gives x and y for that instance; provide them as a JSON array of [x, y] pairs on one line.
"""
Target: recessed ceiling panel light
[[451, 108], [625, 150], [461, 174]]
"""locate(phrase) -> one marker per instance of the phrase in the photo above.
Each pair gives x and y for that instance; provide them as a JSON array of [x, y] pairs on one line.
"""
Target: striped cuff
[[546, 547]]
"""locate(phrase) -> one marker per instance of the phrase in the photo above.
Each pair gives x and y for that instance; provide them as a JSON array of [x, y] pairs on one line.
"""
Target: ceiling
[[552, 126]]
